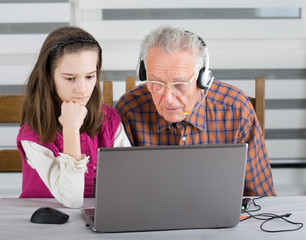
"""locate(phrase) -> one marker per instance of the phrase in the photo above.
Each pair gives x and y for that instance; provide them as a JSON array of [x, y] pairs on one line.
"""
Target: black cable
[[258, 207], [267, 217], [300, 225]]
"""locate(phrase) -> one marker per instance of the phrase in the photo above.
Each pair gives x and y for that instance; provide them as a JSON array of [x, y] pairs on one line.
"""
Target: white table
[[15, 223]]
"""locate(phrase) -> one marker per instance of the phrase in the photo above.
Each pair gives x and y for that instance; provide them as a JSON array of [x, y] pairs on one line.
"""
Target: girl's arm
[[63, 175], [71, 119]]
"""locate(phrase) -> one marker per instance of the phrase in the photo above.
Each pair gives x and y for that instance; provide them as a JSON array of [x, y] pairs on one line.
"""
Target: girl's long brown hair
[[42, 106]]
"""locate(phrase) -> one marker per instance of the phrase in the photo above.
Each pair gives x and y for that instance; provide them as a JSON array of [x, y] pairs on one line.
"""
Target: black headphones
[[205, 77]]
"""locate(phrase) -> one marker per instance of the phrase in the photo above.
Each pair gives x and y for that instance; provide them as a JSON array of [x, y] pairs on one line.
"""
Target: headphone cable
[[205, 95]]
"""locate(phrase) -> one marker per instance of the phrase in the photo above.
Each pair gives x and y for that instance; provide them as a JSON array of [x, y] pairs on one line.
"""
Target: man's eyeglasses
[[177, 88]]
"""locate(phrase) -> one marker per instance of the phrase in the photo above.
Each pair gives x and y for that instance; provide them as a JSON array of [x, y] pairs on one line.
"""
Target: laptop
[[168, 188]]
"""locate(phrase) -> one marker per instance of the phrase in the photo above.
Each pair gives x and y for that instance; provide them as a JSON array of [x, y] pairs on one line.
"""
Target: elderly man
[[181, 104]]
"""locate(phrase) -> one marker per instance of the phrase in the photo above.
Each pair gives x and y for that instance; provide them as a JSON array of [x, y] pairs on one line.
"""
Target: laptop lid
[[169, 187]]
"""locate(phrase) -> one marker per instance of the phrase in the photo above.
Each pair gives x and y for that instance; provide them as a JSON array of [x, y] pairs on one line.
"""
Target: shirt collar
[[162, 123]]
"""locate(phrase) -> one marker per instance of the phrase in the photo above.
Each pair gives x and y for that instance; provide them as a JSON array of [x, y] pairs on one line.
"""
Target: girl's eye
[[69, 79], [91, 77]]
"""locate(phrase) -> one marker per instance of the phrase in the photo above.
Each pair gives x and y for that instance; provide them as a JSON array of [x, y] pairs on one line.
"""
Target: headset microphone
[[185, 113], [206, 91]]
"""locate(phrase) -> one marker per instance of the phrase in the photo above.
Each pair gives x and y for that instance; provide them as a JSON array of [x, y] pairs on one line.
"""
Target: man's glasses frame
[[176, 88]]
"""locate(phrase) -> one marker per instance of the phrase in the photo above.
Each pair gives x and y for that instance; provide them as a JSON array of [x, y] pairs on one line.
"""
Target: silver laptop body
[[168, 187]]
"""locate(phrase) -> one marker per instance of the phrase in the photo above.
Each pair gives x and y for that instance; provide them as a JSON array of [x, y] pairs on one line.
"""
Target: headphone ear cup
[[201, 81], [142, 74], [205, 78]]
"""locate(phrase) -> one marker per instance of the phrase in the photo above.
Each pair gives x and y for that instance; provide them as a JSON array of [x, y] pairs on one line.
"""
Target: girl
[[63, 122]]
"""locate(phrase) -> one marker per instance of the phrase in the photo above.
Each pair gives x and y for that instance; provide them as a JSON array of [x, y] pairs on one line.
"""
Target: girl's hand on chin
[[72, 115]]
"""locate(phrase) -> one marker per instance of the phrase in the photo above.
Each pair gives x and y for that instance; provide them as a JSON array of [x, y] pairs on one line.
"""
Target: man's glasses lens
[[177, 89]]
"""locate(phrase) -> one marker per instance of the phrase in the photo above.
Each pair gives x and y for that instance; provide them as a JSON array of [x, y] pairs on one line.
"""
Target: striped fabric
[[227, 116]]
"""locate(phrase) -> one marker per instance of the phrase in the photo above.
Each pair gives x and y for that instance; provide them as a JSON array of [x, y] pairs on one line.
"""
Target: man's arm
[[258, 176]]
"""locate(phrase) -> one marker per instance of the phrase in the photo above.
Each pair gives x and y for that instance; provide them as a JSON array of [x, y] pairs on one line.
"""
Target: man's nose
[[168, 95]]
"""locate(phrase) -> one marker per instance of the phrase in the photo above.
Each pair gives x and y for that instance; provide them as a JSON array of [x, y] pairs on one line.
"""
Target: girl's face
[[75, 76]]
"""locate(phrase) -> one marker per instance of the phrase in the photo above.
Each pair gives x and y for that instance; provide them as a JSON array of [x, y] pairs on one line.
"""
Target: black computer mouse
[[49, 216]]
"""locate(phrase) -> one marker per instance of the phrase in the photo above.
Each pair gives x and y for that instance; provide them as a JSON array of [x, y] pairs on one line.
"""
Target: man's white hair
[[170, 39]]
